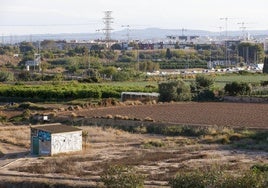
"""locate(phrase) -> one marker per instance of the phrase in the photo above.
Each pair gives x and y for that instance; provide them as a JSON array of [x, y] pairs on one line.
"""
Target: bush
[[174, 91], [236, 88], [154, 143], [260, 167], [217, 178], [264, 83], [206, 95], [203, 82], [187, 180], [122, 177], [6, 76]]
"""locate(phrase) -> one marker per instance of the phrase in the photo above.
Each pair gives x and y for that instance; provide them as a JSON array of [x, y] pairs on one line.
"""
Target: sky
[[19, 17]]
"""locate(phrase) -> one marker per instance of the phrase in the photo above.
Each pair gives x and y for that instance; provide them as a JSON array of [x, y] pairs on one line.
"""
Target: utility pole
[[128, 31], [226, 35], [182, 31], [226, 25], [3, 40], [243, 29], [108, 20]]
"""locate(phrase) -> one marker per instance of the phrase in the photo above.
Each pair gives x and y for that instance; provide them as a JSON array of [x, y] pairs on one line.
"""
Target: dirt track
[[222, 114]]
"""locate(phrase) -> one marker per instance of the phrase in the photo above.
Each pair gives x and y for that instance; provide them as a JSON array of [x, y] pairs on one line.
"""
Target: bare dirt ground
[[4, 59], [221, 114], [110, 147]]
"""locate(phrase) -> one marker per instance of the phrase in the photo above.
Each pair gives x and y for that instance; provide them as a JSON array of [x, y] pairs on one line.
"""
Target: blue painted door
[[35, 145]]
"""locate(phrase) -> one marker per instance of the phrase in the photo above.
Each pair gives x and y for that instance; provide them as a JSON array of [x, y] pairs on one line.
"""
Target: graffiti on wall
[[44, 136], [66, 142]]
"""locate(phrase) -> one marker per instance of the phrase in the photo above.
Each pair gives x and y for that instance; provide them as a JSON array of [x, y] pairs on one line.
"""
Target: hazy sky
[[74, 16]]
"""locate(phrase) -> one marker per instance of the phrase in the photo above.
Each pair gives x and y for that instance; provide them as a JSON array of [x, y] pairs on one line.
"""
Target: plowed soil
[[221, 114]]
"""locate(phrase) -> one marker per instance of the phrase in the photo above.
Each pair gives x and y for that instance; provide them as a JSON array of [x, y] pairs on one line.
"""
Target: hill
[[137, 34]]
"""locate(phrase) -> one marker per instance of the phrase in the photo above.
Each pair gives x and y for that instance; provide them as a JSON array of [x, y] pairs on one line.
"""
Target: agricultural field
[[221, 80], [220, 114]]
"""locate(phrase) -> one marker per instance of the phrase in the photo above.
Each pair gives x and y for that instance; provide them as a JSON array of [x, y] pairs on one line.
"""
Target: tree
[[108, 72], [174, 91], [148, 66], [73, 65], [116, 47], [251, 52], [202, 88], [48, 44], [26, 47], [203, 82], [96, 50], [265, 65], [168, 54], [134, 45]]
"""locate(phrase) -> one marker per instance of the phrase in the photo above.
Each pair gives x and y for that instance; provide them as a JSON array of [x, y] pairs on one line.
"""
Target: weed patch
[[219, 178]]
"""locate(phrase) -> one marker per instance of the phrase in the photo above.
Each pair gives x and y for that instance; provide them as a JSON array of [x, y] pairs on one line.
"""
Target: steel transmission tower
[[108, 20]]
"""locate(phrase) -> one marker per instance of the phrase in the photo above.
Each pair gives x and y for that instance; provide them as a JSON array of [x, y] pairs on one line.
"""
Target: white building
[[52, 139]]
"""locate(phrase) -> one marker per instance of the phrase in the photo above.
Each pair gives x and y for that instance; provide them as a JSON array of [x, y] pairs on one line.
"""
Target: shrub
[[260, 167], [122, 177], [187, 180], [264, 83], [6, 76], [154, 143], [205, 95], [236, 88], [218, 178], [203, 82], [174, 91]]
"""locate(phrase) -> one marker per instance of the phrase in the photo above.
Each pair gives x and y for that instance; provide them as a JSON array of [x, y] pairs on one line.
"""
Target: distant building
[[33, 63], [139, 96], [53, 139]]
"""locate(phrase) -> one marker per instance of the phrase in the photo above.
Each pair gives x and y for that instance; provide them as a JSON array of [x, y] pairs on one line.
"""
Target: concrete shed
[[52, 139], [139, 96]]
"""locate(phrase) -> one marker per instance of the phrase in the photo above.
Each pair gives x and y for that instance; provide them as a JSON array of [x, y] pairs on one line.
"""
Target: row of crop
[[61, 92]]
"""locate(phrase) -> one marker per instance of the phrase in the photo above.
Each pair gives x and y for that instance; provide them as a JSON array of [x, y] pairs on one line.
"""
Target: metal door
[[35, 146]]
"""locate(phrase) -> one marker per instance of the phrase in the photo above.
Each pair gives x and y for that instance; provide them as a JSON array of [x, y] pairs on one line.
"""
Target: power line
[[47, 25], [128, 31]]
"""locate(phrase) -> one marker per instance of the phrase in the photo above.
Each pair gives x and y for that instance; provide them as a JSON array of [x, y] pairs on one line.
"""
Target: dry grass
[[16, 135], [162, 160], [104, 134]]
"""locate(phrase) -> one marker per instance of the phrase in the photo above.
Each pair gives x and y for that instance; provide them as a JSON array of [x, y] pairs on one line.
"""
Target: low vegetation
[[68, 91], [215, 178], [119, 176]]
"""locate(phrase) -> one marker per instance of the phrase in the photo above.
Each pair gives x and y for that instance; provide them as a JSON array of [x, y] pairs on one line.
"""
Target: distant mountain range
[[134, 34]]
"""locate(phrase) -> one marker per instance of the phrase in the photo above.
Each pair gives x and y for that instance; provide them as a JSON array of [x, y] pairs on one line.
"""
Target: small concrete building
[[52, 139], [132, 96]]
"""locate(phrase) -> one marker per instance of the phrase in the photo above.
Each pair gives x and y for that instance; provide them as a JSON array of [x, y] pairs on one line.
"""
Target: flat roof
[[56, 128], [140, 93]]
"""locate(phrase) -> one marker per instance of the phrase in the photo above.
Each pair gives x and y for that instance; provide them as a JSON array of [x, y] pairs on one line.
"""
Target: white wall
[[66, 142]]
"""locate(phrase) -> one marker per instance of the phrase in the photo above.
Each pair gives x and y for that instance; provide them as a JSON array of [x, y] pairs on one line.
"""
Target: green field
[[252, 78], [74, 90], [220, 80]]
